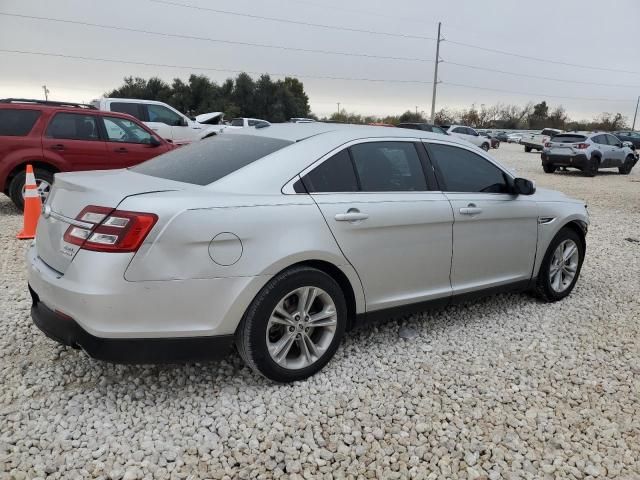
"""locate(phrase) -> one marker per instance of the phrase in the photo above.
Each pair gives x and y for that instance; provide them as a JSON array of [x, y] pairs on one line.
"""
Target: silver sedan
[[280, 239]]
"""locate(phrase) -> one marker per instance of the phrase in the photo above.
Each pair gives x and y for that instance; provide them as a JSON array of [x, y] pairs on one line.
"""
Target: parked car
[[280, 239], [381, 124], [302, 120], [514, 138], [588, 152], [425, 127], [501, 136], [629, 136], [537, 141], [60, 136], [165, 120], [495, 143], [248, 122], [470, 135]]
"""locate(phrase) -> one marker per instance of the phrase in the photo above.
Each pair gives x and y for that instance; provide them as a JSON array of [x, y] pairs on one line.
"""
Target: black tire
[[527, 149], [549, 168], [17, 184], [626, 167], [592, 167], [485, 146], [251, 333], [496, 145], [543, 288]]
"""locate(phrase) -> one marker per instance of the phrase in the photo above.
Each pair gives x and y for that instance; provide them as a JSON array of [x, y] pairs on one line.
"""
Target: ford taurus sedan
[[280, 239]]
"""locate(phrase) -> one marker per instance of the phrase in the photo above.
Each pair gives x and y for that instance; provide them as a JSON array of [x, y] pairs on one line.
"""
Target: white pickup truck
[[537, 140], [168, 122]]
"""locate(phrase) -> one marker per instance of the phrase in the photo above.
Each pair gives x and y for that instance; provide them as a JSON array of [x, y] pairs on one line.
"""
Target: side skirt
[[439, 303]]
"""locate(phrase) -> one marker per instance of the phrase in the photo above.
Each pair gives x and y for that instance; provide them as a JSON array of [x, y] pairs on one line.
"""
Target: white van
[[168, 122]]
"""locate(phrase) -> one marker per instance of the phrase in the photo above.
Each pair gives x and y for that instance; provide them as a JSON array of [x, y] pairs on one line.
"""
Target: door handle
[[121, 150], [470, 209], [352, 215], [57, 146]]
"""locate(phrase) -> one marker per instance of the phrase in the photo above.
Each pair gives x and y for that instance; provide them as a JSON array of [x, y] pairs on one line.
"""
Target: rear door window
[[207, 161], [388, 167], [17, 122], [133, 109], [73, 126]]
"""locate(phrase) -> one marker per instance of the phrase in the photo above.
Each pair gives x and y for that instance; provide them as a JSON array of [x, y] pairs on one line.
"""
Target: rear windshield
[[569, 138], [17, 123], [207, 161]]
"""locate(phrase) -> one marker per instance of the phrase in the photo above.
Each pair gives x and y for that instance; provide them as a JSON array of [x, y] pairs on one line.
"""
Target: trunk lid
[[74, 191]]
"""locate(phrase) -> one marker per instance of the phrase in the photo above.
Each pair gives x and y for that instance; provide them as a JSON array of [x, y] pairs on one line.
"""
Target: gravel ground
[[505, 388]]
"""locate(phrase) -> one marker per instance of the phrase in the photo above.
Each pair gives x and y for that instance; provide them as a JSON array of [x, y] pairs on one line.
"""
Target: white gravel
[[505, 388]]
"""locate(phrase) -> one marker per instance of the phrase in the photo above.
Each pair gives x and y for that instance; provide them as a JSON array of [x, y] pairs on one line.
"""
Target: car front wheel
[[549, 168], [626, 167], [485, 147], [560, 266], [294, 325]]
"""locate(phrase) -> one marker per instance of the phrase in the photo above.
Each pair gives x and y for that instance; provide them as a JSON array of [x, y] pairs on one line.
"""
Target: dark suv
[[60, 137]]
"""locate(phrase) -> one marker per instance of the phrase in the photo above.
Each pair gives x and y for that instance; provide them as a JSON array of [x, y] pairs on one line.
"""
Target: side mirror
[[154, 142], [522, 186]]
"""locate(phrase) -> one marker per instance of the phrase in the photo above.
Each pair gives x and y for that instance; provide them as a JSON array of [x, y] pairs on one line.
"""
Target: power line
[[215, 40], [213, 69], [282, 74], [475, 67], [295, 22], [538, 59], [543, 95]]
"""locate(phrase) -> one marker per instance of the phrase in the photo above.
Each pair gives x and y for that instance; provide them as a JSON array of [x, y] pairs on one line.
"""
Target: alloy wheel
[[301, 327], [43, 187], [564, 265]]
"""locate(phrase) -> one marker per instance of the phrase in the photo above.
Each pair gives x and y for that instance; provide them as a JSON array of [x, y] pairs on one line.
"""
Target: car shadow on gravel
[[212, 377]]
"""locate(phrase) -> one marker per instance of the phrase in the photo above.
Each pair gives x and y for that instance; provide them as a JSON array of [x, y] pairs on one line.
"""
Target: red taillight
[[581, 146], [111, 230]]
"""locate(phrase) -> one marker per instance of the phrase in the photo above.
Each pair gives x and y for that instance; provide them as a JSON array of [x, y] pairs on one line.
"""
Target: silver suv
[[588, 152]]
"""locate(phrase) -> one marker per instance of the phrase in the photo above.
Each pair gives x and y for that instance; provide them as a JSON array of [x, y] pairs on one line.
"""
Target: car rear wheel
[[560, 266], [527, 149], [44, 181], [592, 167], [626, 167], [549, 168], [294, 325]]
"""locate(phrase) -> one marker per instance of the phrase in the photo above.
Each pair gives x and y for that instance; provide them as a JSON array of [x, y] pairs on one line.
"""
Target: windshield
[[207, 161]]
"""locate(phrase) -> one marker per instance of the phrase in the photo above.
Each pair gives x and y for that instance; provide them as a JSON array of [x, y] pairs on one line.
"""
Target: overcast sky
[[603, 35]]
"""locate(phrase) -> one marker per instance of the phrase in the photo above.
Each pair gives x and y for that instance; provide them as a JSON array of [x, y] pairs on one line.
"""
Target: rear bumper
[[534, 146], [67, 331], [577, 161]]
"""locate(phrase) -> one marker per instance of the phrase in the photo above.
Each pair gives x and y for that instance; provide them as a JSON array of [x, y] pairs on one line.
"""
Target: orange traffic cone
[[32, 206]]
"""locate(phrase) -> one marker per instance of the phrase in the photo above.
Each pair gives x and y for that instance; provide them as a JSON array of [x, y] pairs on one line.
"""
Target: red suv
[[62, 137]]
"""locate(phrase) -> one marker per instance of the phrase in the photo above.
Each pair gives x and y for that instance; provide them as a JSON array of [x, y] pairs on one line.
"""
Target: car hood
[[210, 118], [547, 195]]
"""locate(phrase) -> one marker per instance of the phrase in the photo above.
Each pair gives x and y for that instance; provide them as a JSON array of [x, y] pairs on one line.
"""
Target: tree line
[[276, 101], [280, 100], [505, 116]]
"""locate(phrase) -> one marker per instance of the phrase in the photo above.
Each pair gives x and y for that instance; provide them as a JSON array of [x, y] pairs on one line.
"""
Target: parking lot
[[507, 387]]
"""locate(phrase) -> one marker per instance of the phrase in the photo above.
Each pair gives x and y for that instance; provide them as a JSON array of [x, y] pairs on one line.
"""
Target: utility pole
[[46, 92], [633, 127], [338, 108], [435, 77], [416, 110]]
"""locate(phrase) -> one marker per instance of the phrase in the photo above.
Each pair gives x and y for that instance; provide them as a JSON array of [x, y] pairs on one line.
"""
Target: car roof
[[296, 132]]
